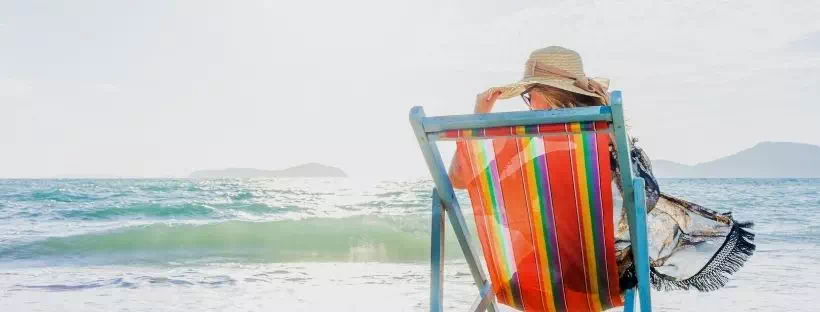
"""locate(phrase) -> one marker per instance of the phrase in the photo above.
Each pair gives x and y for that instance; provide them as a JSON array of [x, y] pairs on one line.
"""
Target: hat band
[[536, 68]]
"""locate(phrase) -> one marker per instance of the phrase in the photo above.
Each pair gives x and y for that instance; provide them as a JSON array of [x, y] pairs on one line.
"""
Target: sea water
[[323, 245]]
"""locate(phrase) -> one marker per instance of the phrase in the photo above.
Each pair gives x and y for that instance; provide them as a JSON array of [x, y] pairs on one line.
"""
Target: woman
[[690, 246]]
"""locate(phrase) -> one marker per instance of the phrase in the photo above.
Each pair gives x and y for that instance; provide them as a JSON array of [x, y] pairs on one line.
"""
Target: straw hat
[[557, 67]]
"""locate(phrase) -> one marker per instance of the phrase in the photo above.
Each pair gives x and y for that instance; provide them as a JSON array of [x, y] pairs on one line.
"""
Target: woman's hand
[[484, 101], [483, 104]]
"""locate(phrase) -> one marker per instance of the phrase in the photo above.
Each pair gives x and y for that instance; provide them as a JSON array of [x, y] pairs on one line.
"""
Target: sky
[[163, 88]]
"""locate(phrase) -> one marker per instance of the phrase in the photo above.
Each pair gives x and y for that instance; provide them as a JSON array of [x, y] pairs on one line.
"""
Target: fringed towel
[[690, 246]]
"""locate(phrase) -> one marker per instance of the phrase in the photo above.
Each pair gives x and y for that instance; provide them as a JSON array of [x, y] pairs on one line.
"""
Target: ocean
[[323, 245]]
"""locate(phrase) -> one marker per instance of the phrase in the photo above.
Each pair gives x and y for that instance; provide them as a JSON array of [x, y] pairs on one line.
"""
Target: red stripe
[[605, 175], [551, 128], [498, 131], [567, 227]]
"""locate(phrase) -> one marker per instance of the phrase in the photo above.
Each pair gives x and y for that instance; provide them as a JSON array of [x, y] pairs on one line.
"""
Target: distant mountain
[[764, 160], [311, 170], [664, 168]]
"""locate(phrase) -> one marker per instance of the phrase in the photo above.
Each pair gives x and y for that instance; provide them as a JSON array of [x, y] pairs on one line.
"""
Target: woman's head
[[541, 97]]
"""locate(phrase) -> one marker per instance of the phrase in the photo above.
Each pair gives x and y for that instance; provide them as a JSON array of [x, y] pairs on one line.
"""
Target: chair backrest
[[541, 196]]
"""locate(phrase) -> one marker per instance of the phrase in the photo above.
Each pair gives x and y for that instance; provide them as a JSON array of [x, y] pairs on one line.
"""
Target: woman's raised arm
[[483, 104]]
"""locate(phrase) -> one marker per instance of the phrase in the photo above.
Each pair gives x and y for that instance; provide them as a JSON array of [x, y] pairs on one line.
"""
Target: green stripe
[[597, 227]]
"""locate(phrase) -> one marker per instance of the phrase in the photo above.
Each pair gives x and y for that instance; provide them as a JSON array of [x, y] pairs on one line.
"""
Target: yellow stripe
[[589, 247], [535, 206]]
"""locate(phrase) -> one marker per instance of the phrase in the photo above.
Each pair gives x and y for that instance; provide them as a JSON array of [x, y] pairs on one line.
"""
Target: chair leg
[[437, 256], [473, 261], [629, 305], [486, 298], [641, 247]]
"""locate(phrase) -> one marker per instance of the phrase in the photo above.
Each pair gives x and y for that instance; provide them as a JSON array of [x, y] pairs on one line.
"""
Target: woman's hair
[[565, 99]]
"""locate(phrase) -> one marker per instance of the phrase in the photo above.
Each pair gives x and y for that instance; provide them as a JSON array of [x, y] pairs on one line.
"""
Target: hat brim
[[515, 89]]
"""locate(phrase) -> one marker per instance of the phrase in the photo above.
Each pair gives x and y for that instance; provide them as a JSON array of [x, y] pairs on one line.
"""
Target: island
[[309, 170]]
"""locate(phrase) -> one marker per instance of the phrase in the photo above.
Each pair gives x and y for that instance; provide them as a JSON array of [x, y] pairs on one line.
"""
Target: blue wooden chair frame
[[445, 203]]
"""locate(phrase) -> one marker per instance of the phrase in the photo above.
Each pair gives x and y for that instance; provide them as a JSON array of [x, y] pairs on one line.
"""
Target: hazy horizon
[[421, 173], [164, 88]]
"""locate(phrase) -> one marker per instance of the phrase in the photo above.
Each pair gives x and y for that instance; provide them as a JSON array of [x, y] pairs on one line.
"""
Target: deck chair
[[541, 197]]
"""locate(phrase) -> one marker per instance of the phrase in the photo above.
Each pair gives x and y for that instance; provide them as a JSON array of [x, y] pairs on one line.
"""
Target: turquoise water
[[321, 244]]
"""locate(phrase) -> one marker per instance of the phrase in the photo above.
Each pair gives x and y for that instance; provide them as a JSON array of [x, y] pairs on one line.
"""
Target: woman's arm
[[483, 104]]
